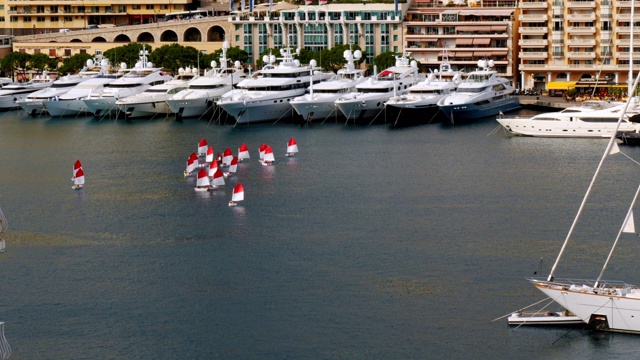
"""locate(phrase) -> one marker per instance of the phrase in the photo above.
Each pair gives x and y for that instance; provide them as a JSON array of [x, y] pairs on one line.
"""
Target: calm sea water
[[371, 243]]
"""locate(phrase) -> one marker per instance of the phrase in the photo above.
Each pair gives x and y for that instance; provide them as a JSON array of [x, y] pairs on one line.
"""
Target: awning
[[561, 85], [464, 53], [500, 53], [482, 41], [498, 27], [450, 12], [473, 28], [486, 12], [464, 41], [448, 53], [482, 53]]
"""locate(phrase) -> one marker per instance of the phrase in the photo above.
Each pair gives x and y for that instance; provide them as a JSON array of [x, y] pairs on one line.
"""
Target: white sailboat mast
[[593, 180]]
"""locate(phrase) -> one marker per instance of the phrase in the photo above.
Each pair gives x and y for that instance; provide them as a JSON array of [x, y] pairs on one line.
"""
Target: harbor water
[[371, 243]]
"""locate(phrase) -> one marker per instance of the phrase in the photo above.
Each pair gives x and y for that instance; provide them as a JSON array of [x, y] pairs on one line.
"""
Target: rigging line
[[593, 180], [524, 308], [567, 333], [495, 130]]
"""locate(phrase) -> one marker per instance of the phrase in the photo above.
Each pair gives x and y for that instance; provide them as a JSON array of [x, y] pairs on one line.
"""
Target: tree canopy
[[128, 54], [73, 64], [174, 56]]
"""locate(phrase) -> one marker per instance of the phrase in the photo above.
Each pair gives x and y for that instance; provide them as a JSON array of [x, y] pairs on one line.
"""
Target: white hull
[[9, 101], [148, 109], [32, 107], [270, 107], [612, 309], [101, 106], [562, 129], [316, 107], [191, 107], [66, 107], [363, 106], [544, 318]]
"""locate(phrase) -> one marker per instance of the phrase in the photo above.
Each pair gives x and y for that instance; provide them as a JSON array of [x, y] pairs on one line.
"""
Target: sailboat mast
[[606, 263], [593, 180], [631, 90]]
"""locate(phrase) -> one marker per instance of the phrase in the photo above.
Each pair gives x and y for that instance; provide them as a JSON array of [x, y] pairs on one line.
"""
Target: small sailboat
[[261, 151], [78, 181], [268, 156], [213, 167], [76, 167], [238, 195], [232, 167], [218, 179], [202, 184], [192, 164], [243, 152], [292, 147], [202, 147], [5, 349], [209, 157], [3, 227], [227, 156]]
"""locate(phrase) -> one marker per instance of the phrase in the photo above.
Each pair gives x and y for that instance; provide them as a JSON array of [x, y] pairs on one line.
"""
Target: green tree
[[15, 62], [73, 64], [173, 57], [40, 62], [128, 54]]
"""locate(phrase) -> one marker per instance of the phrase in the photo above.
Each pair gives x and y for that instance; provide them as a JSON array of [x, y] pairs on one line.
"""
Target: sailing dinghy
[[261, 151], [232, 167], [268, 156], [192, 164], [202, 147], [76, 166], [78, 181], [209, 156], [238, 195], [243, 152], [218, 179], [227, 156], [292, 147], [202, 183]]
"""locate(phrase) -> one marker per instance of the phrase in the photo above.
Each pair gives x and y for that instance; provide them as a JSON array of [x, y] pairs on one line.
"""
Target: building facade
[[570, 41]]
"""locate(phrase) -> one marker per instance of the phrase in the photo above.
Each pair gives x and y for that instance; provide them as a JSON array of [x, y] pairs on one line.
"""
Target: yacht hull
[[316, 109], [32, 107], [419, 114], [608, 309], [62, 108], [362, 109], [148, 109], [191, 107], [9, 101], [259, 110], [101, 106], [562, 129], [465, 111]]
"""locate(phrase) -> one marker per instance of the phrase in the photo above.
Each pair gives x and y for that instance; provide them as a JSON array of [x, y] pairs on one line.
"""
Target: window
[[36, 51], [67, 52], [54, 19], [52, 52], [135, 7], [150, 7], [40, 19], [27, 19]]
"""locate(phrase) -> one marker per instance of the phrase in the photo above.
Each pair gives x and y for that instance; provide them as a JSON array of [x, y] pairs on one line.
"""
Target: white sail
[[238, 193], [5, 349], [629, 226], [4, 225]]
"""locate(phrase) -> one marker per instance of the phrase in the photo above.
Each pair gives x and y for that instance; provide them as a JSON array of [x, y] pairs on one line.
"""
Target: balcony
[[530, 55], [534, 5], [581, 55], [627, 42], [582, 30], [581, 42], [625, 55], [581, 4], [533, 43], [624, 4], [582, 17], [533, 30], [627, 17], [533, 18]]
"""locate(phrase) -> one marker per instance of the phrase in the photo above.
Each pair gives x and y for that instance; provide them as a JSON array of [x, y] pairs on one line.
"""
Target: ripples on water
[[371, 243]]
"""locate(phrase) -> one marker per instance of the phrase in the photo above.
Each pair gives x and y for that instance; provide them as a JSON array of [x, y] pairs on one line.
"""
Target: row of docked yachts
[[281, 89]]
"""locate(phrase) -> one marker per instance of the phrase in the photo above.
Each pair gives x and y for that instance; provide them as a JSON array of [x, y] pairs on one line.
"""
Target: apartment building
[[27, 17], [465, 32], [570, 41]]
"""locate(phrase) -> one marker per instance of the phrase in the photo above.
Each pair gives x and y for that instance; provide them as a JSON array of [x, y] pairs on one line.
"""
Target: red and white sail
[[77, 166], [292, 147], [238, 193], [203, 181], [202, 147], [78, 181], [213, 167], [233, 167], [218, 178], [227, 156], [243, 152], [262, 147], [209, 156], [192, 164], [268, 155]]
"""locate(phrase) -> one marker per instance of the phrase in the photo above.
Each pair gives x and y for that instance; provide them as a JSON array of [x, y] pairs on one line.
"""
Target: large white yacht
[[267, 94], [367, 103], [420, 104], [592, 120], [153, 101], [482, 94], [33, 104], [142, 76], [319, 102], [11, 93], [203, 93]]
